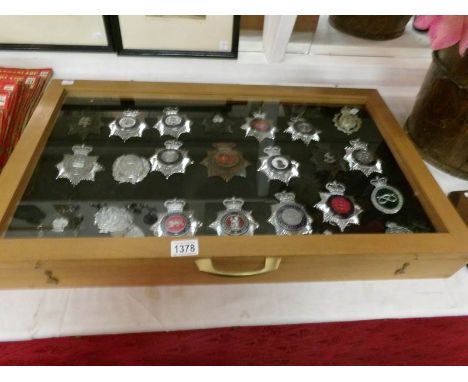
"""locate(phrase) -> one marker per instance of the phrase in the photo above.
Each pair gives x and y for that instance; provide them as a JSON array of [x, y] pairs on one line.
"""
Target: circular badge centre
[[127, 122], [387, 197], [170, 157], [229, 159], [364, 157], [260, 124], [303, 127], [130, 166], [348, 121], [341, 205], [175, 224], [173, 120], [291, 217], [234, 223], [279, 163]]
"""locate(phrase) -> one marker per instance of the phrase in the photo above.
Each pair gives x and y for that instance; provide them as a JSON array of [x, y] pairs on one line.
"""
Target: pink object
[[445, 31]]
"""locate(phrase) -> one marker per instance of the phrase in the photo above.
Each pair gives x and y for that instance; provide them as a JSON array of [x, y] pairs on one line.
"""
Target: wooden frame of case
[[146, 261]]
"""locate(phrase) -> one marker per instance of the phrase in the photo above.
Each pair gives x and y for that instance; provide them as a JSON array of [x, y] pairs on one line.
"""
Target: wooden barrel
[[438, 124], [371, 27]]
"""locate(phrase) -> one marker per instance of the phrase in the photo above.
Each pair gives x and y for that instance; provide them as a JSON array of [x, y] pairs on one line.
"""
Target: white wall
[[396, 68]]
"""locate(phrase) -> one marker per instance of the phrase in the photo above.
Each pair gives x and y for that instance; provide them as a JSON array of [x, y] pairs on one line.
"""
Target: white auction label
[[180, 248]]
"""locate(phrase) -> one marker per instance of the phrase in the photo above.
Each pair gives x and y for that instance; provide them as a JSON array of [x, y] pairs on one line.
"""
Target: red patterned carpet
[[426, 341]]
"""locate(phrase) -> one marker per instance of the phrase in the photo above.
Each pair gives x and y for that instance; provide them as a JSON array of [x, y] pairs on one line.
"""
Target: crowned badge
[[385, 198], [347, 120], [171, 159], [225, 162], [127, 125], [234, 221], [172, 123], [301, 129], [289, 217], [176, 221], [337, 208], [79, 166], [277, 166], [259, 127], [360, 159]]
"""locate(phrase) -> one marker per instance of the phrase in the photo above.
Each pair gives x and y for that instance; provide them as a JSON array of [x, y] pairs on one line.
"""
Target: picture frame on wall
[[171, 35], [56, 33]]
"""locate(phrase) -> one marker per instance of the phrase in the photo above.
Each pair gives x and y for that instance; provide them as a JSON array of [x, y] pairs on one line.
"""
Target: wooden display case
[[33, 257]]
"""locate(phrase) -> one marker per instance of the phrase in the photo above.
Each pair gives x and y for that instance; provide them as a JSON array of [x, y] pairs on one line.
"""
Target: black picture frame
[[67, 48], [117, 40]]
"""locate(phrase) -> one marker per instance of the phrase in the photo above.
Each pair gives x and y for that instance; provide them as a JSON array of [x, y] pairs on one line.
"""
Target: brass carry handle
[[206, 265]]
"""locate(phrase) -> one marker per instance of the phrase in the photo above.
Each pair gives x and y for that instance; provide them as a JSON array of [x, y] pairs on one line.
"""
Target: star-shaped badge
[[301, 129], [173, 123], [171, 159], [289, 217], [234, 221], [176, 221], [278, 166], [337, 208], [128, 125], [225, 162], [79, 166], [361, 159], [259, 126]]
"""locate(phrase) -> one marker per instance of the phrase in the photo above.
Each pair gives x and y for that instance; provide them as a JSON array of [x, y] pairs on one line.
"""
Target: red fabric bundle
[[426, 341]]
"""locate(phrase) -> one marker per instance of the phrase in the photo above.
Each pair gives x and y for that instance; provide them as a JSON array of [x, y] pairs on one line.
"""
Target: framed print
[[63, 33], [164, 35]]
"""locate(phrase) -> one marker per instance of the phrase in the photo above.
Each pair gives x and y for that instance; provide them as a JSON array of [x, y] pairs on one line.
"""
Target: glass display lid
[[137, 167], [273, 170]]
